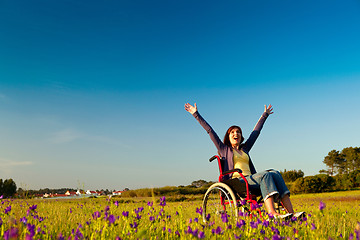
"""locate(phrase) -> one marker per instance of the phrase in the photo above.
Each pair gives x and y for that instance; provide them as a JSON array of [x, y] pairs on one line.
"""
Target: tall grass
[[329, 216]]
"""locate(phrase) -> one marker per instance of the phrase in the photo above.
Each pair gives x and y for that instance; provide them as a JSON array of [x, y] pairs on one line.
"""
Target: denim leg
[[280, 183], [270, 183]]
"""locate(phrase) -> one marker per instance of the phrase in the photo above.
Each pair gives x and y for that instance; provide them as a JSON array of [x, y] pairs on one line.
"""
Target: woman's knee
[[275, 171]]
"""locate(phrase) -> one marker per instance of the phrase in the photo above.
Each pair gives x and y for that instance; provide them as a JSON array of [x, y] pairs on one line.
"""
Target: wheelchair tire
[[212, 202]]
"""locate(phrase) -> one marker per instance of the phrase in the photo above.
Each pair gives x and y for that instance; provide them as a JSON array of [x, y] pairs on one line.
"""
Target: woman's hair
[[226, 137]]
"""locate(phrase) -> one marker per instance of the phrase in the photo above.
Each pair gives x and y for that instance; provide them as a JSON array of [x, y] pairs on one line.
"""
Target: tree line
[[342, 173]]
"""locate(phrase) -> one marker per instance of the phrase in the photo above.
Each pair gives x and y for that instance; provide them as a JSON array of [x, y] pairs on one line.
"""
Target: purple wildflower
[[177, 233], [96, 215], [134, 225], [199, 210], [255, 206], [262, 231], [196, 220], [322, 206], [150, 204], [111, 219], [60, 237], [116, 203], [7, 210], [201, 235], [188, 230], [275, 230], [207, 217], [253, 224], [138, 210], [224, 217], [23, 220], [125, 213], [161, 212], [265, 223], [78, 234], [218, 230], [169, 230], [151, 219], [33, 207], [162, 201], [195, 232], [107, 208], [31, 229], [11, 234], [240, 223], [236, 236], [313, 227], [276, 237]]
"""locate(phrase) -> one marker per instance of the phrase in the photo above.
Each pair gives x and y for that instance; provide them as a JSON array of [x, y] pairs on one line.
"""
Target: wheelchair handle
[[213, 158]]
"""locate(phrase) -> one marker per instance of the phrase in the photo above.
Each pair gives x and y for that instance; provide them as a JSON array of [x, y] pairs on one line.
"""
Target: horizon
[[94, 93]]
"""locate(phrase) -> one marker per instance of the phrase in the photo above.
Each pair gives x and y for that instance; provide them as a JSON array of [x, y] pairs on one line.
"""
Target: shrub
[[313, 184]]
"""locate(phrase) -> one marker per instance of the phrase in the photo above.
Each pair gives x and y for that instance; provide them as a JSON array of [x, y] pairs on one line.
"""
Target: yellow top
[[241, 161]]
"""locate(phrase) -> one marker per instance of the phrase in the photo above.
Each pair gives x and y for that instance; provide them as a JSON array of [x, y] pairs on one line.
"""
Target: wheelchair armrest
[[232, 171]]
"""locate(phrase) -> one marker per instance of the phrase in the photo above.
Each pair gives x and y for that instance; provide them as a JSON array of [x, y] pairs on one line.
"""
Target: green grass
[[99, 218]]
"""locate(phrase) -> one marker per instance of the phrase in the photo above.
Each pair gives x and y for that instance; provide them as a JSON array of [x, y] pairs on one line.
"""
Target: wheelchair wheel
[[219, 199]]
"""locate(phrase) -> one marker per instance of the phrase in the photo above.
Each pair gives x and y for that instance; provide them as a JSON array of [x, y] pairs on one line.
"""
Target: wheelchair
[[229, 196]]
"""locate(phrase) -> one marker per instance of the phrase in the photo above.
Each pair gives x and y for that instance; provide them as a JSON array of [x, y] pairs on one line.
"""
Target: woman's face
[[235, 137]]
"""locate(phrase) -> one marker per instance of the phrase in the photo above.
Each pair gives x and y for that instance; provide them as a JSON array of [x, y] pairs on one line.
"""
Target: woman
[[236, 155]]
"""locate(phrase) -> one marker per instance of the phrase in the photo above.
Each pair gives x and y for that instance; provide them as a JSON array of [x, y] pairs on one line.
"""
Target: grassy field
[[329, 216]]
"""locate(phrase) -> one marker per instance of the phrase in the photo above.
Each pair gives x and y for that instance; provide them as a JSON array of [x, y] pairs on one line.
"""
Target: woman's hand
[[269, 109], [191, 109]]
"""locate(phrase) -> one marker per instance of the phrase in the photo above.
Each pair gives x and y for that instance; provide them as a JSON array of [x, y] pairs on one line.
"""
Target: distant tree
[[199, 183], [351, 156], [292, 175], [9, 188], [344, 162], [335, 163]]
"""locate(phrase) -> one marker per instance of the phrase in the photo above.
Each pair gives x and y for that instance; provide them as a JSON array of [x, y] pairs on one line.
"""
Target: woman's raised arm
[[213, 136], [256, 132]]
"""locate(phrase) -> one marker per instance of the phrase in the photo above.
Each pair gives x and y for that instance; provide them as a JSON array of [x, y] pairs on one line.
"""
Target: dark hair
[[226, 137]]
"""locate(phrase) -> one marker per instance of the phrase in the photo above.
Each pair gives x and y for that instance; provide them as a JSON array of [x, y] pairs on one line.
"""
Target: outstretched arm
[[214, 137], [256, 132]]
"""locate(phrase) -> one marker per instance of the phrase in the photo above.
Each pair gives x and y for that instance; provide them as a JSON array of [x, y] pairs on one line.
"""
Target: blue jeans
[[269, 182]]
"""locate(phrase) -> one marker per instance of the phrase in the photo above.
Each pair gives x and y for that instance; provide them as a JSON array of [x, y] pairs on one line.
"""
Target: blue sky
[[92, 92]]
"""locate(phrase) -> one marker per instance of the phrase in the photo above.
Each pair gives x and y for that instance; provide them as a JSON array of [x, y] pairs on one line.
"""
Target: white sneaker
[[286, 216], [299, 215]]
